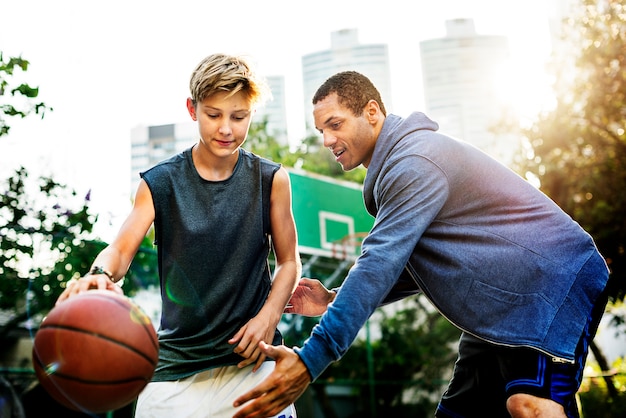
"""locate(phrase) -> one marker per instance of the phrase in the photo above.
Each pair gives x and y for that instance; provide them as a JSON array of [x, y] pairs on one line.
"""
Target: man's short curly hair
[[353, 89]]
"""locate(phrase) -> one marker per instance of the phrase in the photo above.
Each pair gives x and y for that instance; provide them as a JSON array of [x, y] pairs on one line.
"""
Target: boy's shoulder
[[171, 162], [265, 163]]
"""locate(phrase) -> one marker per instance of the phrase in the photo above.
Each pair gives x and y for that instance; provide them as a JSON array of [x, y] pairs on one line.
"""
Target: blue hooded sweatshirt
[[493, 254]]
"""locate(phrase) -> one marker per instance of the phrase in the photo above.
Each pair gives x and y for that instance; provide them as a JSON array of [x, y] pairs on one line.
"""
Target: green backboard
[[330, 215]]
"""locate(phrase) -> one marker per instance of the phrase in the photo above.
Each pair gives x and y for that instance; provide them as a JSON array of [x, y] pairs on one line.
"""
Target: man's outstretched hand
[[310, 298], [280, 389]]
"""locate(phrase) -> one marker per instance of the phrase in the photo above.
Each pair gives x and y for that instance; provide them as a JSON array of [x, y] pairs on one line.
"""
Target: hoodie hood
[[395, 129]]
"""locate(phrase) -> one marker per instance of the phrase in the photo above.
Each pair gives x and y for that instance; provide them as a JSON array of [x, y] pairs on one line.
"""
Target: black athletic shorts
[[486, 375]]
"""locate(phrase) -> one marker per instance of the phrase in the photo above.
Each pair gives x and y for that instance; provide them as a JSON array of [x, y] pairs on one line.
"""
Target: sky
[[106, 67]]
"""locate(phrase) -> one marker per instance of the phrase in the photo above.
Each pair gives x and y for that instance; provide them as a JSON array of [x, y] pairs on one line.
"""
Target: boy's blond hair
[[221, 72]]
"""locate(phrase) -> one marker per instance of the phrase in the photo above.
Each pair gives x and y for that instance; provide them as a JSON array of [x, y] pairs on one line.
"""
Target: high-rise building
[[275, 110], [152, 144], [461, 79], [345, 53]]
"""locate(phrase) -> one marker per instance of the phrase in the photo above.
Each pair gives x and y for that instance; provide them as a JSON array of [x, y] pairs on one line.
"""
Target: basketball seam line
[[104, 337]]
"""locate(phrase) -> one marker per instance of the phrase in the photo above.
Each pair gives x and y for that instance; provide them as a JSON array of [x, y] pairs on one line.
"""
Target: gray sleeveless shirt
[[212, 240]]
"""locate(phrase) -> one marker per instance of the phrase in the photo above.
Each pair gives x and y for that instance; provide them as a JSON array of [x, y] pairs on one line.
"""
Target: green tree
[[412, 358], [594, 393], [46, 238], [42, 244], [577, 150], [260, 142], [20, 91]]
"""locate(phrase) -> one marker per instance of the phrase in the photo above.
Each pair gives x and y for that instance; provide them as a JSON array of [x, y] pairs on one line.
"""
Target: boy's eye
[[240, 116]]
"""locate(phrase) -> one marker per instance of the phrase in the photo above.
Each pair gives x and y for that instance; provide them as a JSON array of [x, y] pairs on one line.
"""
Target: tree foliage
[[24, 91], [43, 243], [578, 149], [594, 392], [411, 360], [46, 230], [308, 155], [46, 238]]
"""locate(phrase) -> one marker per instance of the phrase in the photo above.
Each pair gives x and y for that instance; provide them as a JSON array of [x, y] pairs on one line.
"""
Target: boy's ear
[[191, 109]]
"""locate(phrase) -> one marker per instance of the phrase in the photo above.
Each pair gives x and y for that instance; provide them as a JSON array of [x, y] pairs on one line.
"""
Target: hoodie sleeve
[[405, 286], [410, 193]]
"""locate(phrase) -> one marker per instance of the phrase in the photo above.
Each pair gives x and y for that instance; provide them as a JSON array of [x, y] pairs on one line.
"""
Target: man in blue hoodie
[[499, 259]]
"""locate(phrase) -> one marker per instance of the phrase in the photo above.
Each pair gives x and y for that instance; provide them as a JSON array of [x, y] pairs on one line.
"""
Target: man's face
[[350, 138]]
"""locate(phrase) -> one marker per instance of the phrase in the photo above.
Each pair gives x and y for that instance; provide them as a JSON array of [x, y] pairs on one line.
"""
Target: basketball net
[[347, 246]]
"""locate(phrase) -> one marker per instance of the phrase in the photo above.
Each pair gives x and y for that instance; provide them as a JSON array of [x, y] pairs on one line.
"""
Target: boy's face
[[350, 138], [223, 121]]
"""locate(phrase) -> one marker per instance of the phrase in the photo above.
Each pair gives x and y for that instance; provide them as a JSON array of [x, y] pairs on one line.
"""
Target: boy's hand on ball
[[74, 287]]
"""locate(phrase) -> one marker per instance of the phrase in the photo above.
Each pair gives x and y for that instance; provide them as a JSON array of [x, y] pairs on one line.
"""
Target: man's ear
[[373, 111], [191, 109]]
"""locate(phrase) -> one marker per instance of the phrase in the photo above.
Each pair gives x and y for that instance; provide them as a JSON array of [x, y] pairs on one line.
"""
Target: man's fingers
[[255, 411], [279, 389], [262, 387], [268, 350], [254, 393]]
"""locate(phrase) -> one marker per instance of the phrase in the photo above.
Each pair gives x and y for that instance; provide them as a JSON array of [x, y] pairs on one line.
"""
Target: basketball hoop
[[347, 246]]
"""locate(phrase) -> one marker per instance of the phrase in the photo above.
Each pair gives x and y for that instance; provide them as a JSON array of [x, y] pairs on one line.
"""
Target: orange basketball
[[95, 352]]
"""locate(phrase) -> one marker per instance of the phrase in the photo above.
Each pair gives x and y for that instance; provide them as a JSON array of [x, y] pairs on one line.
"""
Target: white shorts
[[208, 394]]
